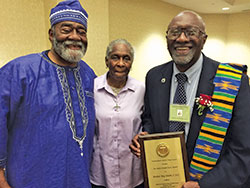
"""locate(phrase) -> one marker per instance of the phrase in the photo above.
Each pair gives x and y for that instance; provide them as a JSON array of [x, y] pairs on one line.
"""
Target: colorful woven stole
[[212, 134]]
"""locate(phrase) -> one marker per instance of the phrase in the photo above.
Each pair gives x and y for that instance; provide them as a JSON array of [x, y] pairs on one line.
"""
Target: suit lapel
[[164, 95]]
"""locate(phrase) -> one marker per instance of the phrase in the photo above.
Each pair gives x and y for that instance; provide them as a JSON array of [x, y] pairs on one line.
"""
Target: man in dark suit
[[186, 37]]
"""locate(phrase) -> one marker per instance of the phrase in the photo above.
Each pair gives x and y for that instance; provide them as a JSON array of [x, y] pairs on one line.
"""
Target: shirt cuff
[[3, 162]]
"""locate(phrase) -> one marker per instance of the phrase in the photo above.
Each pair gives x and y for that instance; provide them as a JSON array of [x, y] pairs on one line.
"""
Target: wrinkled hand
[[3, 182], [191, 184], [4, 185], [135, 145]]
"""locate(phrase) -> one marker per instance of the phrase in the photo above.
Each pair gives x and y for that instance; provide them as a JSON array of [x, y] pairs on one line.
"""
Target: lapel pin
[[163, 80]]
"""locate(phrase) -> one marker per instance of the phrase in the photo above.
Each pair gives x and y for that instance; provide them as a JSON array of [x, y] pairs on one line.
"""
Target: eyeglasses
[[190, 32]]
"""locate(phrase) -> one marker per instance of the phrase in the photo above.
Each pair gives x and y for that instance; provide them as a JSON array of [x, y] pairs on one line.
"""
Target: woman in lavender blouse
[[118, 103]]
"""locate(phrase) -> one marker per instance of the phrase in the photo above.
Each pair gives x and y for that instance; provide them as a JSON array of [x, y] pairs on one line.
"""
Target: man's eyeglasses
[[190, 32]]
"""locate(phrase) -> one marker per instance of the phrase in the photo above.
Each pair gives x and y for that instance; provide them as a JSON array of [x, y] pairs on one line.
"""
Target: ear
[[51, 34], [204, 40], [106, 62]]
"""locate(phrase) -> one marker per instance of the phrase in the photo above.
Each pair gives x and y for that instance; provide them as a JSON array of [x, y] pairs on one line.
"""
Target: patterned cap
[[68, 10]]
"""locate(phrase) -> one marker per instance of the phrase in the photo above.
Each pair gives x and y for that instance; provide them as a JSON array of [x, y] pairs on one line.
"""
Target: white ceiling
[[213, 6]]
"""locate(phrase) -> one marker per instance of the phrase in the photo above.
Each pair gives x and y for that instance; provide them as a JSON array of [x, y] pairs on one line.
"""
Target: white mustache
[[75, 43]]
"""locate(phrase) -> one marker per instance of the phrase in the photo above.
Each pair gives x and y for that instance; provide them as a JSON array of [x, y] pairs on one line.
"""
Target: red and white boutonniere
[[204, 101]]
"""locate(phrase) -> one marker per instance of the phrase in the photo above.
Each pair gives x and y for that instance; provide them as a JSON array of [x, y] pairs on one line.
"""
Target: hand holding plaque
[[164, 160]]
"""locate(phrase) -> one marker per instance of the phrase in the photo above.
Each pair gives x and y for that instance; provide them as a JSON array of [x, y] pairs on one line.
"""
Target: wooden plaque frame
[[162, 144]]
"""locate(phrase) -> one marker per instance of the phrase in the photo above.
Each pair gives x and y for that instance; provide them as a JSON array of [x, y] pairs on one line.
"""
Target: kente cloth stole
[[213, 130]]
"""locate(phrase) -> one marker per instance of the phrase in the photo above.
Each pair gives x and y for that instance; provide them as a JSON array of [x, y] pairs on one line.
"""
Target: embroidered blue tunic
[[45, 109]]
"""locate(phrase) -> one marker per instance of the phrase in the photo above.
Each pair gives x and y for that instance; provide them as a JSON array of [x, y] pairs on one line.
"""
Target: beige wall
[[228, 37], [238, 45], [216, 29], [24, 27]]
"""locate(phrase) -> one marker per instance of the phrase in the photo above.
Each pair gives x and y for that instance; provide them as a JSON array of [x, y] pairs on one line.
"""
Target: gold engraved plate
[[164, 160]]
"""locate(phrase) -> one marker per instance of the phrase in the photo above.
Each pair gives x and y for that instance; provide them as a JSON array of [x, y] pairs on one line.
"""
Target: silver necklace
[[115, 99]]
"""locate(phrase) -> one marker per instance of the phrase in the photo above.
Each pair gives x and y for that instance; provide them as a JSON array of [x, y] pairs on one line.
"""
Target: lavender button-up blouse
[[118, 120]]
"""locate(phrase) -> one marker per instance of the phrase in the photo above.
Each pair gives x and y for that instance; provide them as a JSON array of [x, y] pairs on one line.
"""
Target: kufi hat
[[68, 10]]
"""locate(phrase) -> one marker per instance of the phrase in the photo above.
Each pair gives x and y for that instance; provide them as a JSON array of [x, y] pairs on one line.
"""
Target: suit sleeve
[[233, 167], [146, 115]]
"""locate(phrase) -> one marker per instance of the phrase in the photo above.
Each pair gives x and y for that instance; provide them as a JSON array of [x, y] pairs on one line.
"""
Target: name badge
[[179, 113]]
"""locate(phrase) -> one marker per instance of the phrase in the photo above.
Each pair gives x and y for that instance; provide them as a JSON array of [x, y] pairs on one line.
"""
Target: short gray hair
[[119, 41]]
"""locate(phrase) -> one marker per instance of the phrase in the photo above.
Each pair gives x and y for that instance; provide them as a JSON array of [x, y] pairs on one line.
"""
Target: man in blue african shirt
[[47, 113]]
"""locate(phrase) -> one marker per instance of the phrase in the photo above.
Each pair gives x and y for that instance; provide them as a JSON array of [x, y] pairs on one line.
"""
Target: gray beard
[[71, 56], [182, 60]]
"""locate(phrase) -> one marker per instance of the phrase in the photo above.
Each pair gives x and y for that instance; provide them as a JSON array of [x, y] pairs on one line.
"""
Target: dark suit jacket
[[233, 167]]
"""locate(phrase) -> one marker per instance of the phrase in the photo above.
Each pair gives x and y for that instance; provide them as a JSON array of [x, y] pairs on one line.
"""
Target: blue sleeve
[[10, 95]]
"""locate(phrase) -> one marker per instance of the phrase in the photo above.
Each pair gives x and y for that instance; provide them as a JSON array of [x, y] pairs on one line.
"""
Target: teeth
[[182, 48]]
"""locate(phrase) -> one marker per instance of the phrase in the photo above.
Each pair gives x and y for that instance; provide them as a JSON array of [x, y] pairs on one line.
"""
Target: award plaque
[[164, 160]]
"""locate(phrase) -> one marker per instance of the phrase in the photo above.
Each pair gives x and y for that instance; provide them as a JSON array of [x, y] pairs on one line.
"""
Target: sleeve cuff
[[3, 162]]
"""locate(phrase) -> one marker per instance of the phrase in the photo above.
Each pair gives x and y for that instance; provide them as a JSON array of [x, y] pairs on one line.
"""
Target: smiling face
[[119, 62], [186, 50], [69, 41]]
